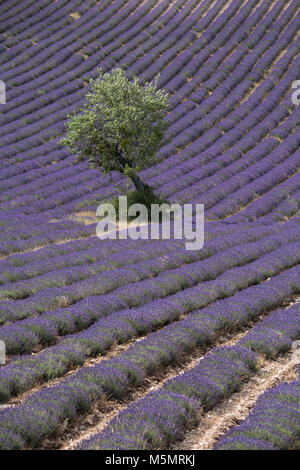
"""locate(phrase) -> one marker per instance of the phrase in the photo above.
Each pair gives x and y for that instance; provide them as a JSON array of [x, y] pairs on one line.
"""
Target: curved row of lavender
[[232, 144], [273, 424], [160, 418]]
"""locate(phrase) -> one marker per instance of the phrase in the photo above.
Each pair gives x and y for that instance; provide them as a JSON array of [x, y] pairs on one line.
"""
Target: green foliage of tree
[[120, 127]]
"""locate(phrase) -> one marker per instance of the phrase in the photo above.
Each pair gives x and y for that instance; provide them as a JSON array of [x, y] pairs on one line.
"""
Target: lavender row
[[229, 173], [21, 259], [133, 285], [89, 30], [244, 196], [96, 31], [27, 334], [91, 263], [246, 63], [170, 160], [248, 141], [39, 105], [11, 13], [286, 209], [96, 28], [256, 135], [36, 263], [268, 201], [59, 23], [199, 327], [31, 264], [99, 257], [255, 102], [49, 236], [273, 423], [111, 378], [159, 419]]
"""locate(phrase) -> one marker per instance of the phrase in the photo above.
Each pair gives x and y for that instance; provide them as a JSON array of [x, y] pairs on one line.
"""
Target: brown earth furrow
[[68, 437], [230, 412], [275, 371], [220, 338]]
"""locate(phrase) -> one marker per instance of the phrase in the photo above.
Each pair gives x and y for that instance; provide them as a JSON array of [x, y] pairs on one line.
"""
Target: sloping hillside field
[[136, 344]]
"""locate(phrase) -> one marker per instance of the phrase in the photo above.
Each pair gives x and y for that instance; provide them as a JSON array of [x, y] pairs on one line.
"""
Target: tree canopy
[[121, 126]]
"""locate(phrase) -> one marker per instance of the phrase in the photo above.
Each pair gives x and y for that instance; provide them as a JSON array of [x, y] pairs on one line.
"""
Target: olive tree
[[121, 126]]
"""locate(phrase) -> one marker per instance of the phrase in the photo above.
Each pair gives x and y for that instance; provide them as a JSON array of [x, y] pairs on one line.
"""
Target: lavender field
[[142, 344]]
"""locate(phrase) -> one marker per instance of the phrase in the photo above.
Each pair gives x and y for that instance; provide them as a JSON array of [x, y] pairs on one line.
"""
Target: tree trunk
[[124, 162], [138, 183]]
